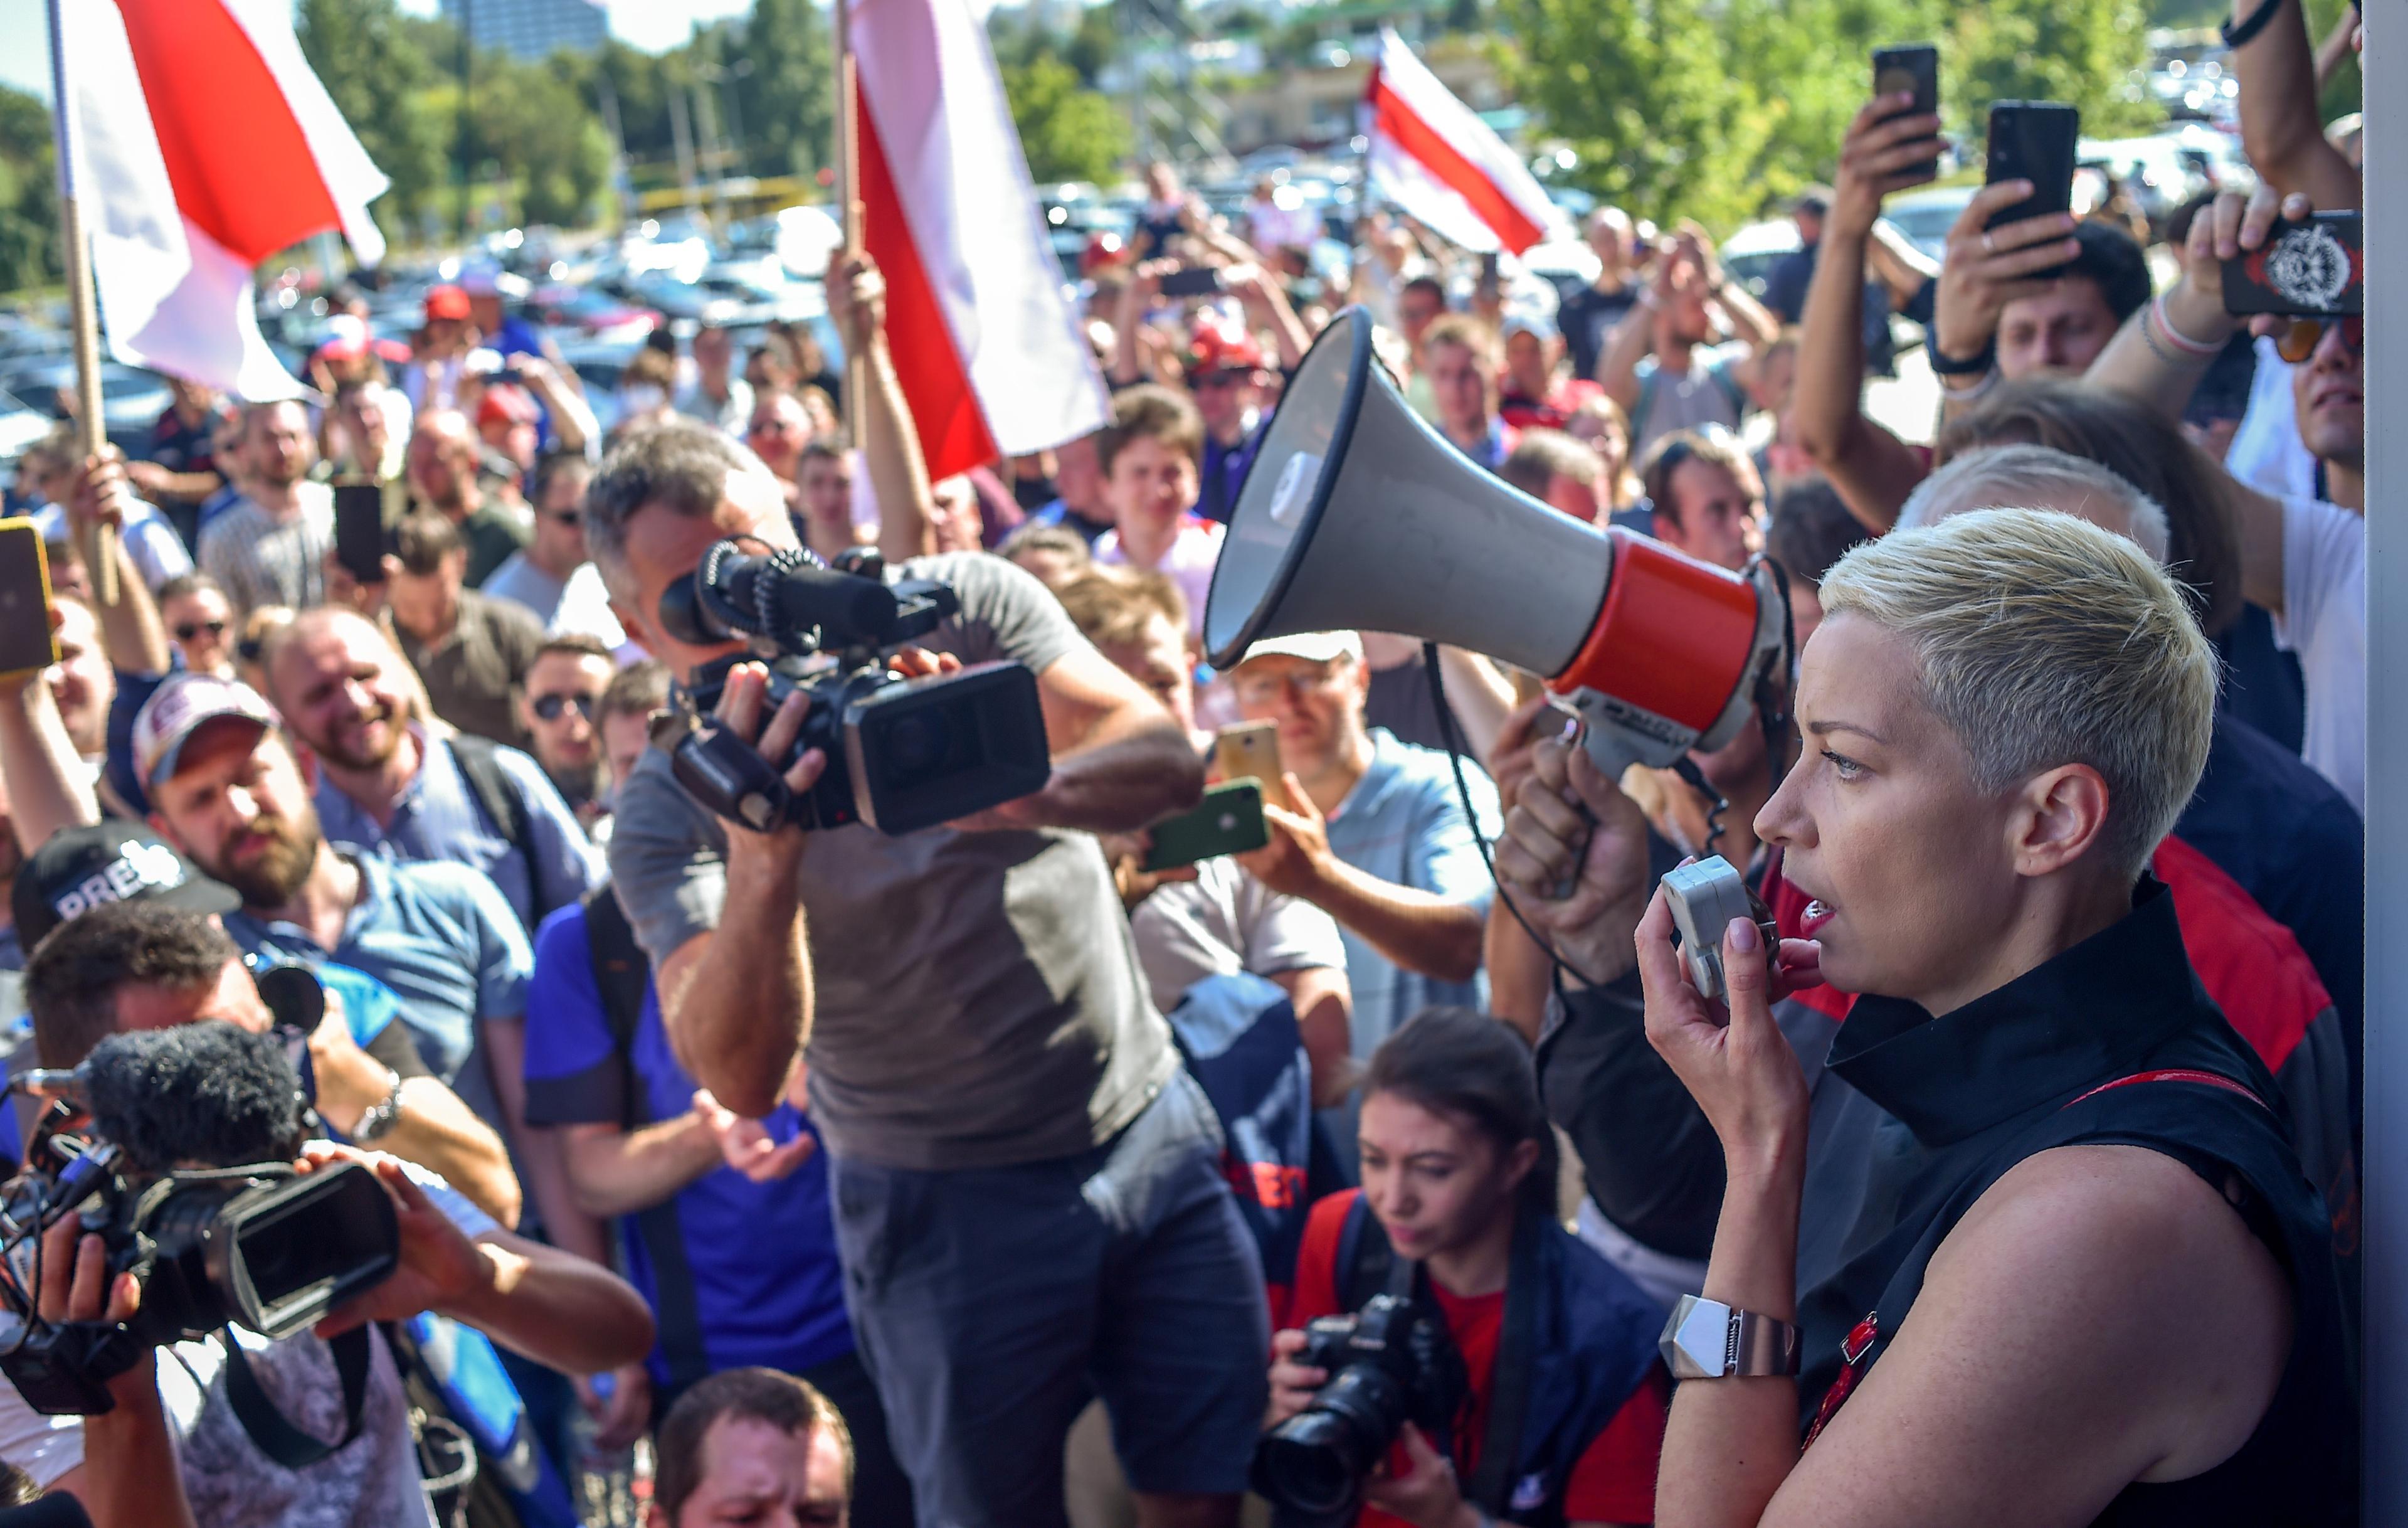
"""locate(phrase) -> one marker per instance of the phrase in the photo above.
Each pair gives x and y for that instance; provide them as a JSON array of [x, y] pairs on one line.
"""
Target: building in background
[[531, 29]]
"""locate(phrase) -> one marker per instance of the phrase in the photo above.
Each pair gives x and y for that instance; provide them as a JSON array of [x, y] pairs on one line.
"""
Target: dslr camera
[[131, 1145], [902, 754], [1389, 1363]]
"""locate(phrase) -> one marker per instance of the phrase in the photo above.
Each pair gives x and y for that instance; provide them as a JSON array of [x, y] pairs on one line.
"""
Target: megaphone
[[1357, 516]]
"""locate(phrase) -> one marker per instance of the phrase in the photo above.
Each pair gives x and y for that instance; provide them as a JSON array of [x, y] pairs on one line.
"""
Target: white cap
[[1312, 646]]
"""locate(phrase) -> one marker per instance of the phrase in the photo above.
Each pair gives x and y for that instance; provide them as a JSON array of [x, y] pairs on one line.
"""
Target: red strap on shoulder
[[2208, 1079]]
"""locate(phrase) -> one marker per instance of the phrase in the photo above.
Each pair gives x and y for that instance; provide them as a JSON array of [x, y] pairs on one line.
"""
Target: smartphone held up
[[1910, 69]]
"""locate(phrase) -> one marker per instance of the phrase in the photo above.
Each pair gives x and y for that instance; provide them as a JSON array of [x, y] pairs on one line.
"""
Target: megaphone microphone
[[1357, 515]]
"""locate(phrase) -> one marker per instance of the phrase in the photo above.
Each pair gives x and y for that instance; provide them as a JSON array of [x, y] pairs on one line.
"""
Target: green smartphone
[[1228, 821]]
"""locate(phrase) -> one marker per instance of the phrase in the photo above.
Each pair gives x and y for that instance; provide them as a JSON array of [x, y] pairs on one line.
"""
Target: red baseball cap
[[1220, 350], [1104, 249], [446, 302], [506, 404]]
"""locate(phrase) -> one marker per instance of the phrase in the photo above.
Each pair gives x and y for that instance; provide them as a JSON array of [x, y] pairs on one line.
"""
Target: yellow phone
[[1244, 750], [26, 643]]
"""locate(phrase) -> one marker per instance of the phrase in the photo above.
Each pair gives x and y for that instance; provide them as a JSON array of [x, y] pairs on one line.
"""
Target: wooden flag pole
[[96, 543], [848, 147]]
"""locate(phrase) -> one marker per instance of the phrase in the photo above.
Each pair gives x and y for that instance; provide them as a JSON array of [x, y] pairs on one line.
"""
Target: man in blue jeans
[[726, 1219], [1028, 1197]]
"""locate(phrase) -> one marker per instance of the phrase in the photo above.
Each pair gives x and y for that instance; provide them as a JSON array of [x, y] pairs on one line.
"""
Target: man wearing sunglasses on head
[[2303, 557]]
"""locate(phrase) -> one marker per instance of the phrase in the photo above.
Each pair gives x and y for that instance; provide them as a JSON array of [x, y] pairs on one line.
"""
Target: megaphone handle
[[1612, 752]]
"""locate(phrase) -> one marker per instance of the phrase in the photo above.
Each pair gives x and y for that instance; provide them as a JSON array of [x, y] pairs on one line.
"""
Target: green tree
[[2094, 55], [787, 100], [541, 134], [1068, 132], [29, 193], [378, 74]]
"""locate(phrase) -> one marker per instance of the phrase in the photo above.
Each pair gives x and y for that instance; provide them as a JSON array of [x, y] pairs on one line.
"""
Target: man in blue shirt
[[724, 1219], [1373, 833], [386, 783]]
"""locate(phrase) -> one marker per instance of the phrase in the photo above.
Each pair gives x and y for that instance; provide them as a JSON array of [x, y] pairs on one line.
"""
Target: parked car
[[1925, 217]]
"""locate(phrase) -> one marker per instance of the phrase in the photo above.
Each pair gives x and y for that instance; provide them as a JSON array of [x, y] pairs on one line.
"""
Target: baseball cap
[[1312, 646], [1223, 350], [178, 708], [1523, 321], [446, 302], [506, 404], [81, 867]]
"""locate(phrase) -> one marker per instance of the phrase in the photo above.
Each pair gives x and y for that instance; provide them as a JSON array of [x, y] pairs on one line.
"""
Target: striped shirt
[[259, 559]]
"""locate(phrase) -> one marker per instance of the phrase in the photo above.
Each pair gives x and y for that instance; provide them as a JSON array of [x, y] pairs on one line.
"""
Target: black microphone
[[211, 1094], [796, 596]]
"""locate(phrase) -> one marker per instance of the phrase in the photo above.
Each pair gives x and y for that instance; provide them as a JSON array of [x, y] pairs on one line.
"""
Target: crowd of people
[[997, 1173]]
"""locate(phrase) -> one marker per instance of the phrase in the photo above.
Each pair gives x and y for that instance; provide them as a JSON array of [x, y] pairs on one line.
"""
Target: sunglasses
[[187, 631], [2300, 341], [550, 707]]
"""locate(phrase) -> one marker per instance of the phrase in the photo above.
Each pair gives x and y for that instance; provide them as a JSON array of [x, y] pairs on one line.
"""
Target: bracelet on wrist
[[1977, 364], [379, 1118], [2179, 340]]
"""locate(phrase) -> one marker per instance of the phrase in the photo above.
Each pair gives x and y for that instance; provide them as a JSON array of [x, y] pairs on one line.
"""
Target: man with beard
[[443, 460], [389, 783], [233, 798], [269, 546], [561, 710]]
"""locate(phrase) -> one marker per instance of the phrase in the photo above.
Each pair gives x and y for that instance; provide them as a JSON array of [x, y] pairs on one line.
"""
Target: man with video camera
[[1027, 1185], [311, 1428]]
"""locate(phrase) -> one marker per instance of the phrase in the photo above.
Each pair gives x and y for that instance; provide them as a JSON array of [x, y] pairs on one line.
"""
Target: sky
[[654, 25]]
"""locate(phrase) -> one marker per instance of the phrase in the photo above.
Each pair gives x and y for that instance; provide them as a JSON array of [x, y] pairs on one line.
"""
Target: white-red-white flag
[[198, 143], [987, 348], [1435, 159]]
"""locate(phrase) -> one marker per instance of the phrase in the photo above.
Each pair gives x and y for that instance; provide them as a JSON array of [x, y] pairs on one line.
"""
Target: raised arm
[[1119, 762], [130, 629], [1872, 469], [1617, 365], [2161, 352], [883, 427], [1749, 319], [2280, 131], [42, 781], [1986, 268]]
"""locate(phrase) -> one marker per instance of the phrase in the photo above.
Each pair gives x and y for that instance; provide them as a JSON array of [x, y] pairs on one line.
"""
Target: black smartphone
[[359, 530], [1228, 821], [1911, 68], [1191, 282], [26, 645], [2033, 140], [2311, 269]]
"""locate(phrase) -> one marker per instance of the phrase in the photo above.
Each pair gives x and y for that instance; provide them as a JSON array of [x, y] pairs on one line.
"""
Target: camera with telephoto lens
[[1389, 1363], [902, 754], [176, 1147]]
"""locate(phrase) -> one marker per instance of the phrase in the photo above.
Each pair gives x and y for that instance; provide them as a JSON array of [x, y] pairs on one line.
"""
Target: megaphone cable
[[1452, 732]]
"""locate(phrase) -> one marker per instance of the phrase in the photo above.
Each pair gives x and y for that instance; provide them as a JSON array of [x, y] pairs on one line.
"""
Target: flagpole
[[848, 147], [96, 541]]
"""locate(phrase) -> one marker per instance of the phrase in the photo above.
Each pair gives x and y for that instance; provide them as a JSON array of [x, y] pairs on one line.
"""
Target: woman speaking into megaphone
[[2074, 1273]]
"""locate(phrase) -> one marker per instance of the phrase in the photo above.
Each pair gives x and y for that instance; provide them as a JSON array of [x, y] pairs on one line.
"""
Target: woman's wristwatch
[[1706, 1339]]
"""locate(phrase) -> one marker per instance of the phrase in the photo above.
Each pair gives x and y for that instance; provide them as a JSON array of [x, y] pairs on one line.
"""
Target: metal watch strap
[[1706, 1339], [379, 1118]]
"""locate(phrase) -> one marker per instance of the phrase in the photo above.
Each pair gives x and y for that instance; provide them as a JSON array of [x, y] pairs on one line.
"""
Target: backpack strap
[[274, 1434], [1365, 1263], [620, 972], [503, 805]]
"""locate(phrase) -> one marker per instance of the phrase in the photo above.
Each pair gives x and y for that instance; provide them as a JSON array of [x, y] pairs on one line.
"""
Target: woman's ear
[[1519, 1164], [2062, 815]]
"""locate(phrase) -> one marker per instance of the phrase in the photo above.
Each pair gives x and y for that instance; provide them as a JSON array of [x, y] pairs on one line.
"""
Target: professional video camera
[[176, 1147], [902, 754], [1389, 1363]]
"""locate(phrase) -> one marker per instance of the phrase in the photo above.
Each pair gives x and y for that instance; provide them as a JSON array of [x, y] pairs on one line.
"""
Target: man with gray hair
[[1026, 1186], [2034, 476]]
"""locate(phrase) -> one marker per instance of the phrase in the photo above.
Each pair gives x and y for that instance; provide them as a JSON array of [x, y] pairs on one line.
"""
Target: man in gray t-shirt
[[1026, 1186]]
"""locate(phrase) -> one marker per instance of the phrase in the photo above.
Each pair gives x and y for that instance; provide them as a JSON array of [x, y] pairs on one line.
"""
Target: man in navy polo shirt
[[726, 1219]]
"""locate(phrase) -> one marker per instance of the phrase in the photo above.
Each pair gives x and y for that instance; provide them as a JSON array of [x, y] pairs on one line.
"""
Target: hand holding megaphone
[[1573, 856]]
